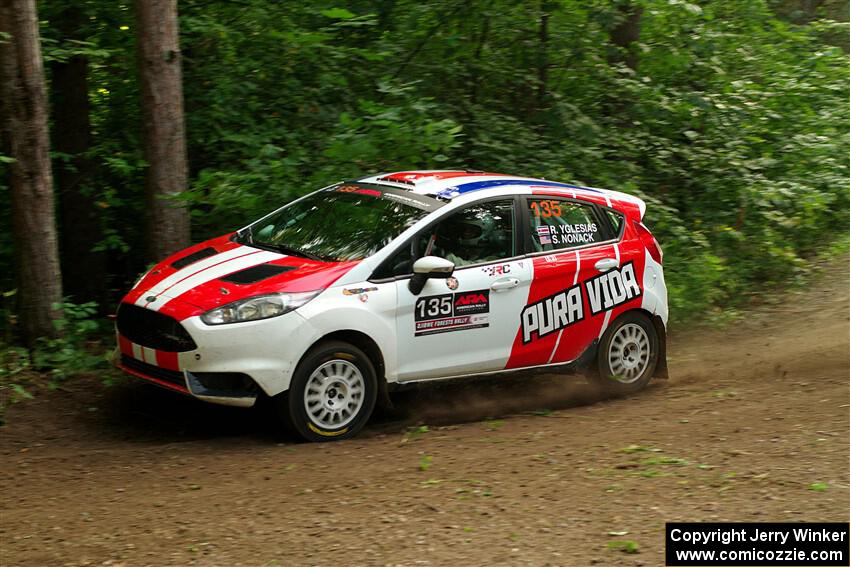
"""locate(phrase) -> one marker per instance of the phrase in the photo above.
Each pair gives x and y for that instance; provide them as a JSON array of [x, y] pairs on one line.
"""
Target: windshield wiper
[[247, 231]]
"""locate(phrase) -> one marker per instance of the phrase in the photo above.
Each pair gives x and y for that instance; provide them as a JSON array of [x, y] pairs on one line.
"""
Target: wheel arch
[[370, 348], [661, 331]]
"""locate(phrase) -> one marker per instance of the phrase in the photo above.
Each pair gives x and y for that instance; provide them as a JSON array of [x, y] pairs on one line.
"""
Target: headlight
[[259, 307]]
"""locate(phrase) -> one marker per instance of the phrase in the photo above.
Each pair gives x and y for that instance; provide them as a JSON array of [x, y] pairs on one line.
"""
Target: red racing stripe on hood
[[306, 275], [164, 269], [201, 285]]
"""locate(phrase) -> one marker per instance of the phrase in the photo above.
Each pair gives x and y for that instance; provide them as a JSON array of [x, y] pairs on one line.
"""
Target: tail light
[[650, 242]]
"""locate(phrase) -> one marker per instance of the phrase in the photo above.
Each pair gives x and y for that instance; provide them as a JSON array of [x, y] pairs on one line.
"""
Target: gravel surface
[[752, 426]]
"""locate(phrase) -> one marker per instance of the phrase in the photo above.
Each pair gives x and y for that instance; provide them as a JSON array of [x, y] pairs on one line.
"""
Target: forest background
[[731, 118]]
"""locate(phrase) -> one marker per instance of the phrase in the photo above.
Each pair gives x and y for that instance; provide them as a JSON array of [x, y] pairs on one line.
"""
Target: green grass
[[415, 433], [625, 545], [652, 461]]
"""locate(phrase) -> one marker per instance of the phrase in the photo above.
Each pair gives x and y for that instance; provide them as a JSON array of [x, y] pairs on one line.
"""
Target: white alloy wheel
[[629, 353], [334, 394]]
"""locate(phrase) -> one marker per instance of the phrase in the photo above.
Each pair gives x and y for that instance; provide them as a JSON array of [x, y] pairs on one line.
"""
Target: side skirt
[[584, 360]]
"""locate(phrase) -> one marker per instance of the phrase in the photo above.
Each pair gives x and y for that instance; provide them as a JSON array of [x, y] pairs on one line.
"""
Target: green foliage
[[76, 349], [734, 127], [14, 364]]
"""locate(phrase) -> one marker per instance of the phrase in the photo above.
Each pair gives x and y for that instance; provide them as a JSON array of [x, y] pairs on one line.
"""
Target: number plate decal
[[452, 312]]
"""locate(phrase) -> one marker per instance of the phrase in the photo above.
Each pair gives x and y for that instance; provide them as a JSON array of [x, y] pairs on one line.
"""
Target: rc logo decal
[[499, 270]]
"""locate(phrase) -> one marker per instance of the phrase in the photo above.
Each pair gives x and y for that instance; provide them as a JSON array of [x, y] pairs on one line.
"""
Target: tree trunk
[[164, 132], [625, 34], [543, 55], [25, 139], [83, 271]]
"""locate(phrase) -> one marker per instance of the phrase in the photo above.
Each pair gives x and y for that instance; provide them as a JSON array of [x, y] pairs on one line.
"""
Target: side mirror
[[426, 268]]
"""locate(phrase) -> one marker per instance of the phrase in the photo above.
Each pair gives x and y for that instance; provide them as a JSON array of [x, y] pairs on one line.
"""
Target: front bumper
[[230, 389], [231, 364]]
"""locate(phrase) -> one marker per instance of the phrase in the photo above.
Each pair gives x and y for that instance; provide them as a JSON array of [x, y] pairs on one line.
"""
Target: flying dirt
[[751, 426]]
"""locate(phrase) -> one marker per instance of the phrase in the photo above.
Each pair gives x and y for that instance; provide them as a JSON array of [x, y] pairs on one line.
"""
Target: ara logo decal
[[552, 314], [358, 190], [612, 288], [471, 299], [472, 302]]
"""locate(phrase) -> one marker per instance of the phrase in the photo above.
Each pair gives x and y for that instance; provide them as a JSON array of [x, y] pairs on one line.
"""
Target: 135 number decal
[[433, 307], [546, 208]]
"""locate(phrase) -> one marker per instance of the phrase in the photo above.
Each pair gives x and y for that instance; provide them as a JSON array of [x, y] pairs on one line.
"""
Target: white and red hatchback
[[396, 278]]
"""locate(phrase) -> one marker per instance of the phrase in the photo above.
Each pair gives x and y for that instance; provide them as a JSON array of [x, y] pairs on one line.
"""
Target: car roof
[[449, 184]]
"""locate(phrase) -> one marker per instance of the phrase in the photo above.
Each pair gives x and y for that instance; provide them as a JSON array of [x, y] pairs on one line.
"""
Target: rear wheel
[[332, 393], [628, 354]]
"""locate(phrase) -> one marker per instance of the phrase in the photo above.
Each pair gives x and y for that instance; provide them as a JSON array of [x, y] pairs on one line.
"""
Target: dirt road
[[752, 426]]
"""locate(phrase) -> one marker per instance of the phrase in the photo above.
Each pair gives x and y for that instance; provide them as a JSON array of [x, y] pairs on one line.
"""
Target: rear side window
[[616, 221], [557, 224]]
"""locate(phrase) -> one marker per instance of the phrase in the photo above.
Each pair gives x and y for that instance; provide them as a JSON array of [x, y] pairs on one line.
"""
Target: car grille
[[171, 376], [153, 330]]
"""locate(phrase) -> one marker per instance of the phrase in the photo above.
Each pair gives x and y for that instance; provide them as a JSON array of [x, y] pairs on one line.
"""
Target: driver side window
[[479, 233]]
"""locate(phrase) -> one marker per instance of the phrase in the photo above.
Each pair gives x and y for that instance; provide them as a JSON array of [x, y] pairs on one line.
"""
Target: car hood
[[220, 271]]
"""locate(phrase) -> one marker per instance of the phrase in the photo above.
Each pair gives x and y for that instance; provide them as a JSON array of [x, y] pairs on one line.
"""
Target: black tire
[[625, 342], [334, 358]]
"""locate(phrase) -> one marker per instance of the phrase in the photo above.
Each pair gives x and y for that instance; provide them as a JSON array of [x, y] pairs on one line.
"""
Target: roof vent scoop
[[397, 179], [255, 274], [194, 257]]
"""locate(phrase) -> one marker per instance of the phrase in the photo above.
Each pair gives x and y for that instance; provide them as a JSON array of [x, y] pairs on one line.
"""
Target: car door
[[464, 324], [569, 304]]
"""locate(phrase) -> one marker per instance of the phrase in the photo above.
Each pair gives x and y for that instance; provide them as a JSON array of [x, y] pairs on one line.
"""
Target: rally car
[[360, 287]]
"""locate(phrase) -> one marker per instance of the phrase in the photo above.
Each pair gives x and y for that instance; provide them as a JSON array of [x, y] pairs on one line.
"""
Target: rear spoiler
[[633, 207]]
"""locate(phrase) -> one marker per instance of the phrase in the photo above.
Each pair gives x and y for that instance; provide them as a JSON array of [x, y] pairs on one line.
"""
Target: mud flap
[[384, 401], [587, 359], [661, 367]]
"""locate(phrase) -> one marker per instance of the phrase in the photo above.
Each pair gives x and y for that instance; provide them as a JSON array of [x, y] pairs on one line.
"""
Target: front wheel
[[628, 354], [332, 393]]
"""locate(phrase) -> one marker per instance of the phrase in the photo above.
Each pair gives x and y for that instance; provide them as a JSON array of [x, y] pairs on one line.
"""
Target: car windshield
[[344, 222]]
